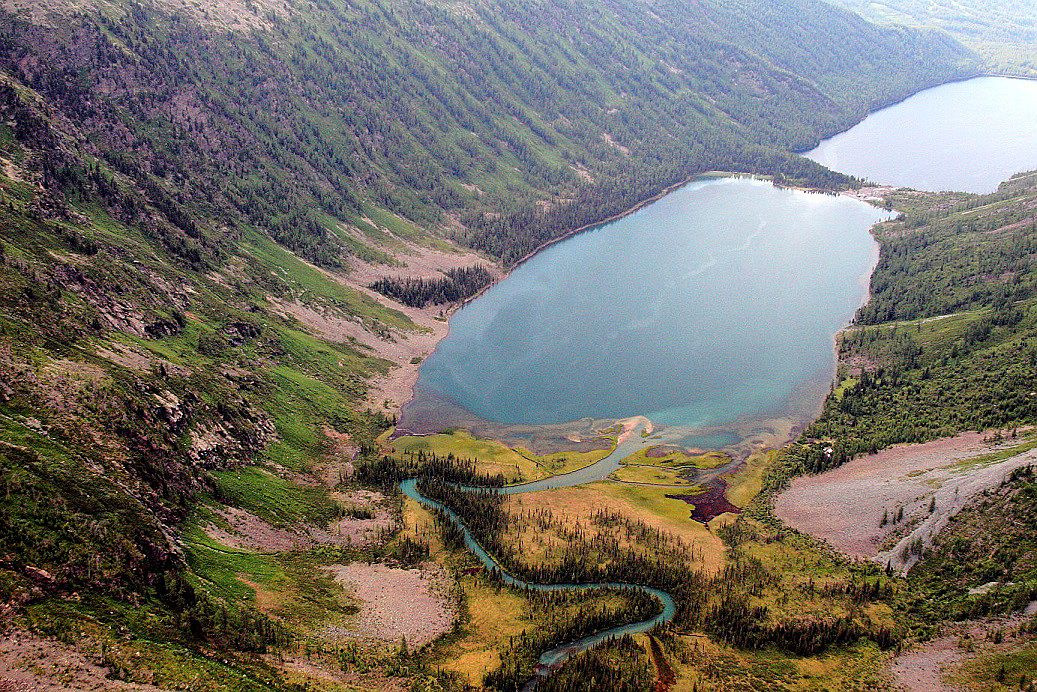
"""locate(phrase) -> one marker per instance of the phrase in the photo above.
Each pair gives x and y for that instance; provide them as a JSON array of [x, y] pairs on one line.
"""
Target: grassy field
[[650, 475], [515, 464], [705, 664], [1011, 666], [575, 507], [676, 458], [747, 481], [493, 616]]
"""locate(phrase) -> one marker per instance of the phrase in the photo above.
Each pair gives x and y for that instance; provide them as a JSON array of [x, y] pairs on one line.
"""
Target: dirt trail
[[928, 483]]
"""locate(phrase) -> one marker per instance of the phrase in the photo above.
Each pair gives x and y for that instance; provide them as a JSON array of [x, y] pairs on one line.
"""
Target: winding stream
[[592, 472], [557, 655]]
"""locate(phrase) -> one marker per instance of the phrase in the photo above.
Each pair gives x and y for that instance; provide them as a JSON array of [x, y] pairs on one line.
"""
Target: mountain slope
[[193, 200], [1004, 32], [503, 123]]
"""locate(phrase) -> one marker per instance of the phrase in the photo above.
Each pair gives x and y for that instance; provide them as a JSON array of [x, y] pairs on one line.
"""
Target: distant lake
[[715, 305], [966, 136]]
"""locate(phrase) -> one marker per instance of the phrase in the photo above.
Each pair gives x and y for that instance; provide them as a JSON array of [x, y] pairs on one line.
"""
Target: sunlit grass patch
[[492, 457], [277, 500], [494, 615], [1009, 667], [662, 455], [651, 475], [747, 482]]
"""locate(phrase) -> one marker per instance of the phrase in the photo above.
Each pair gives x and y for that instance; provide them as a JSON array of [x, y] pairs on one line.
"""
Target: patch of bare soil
[[396, 602], [871, 193], [405, 349], [235, 15], [921, 669], [342, 452], [32, 663], [926, 667], [246, 531], [127, 357], [629, 425], [926, 483]]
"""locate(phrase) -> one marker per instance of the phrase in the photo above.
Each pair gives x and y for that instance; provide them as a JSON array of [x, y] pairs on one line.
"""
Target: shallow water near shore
[[711, 311]]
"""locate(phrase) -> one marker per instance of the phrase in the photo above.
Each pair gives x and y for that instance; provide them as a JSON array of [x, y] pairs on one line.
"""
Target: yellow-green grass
[[634, 502], [971, 463], [515, 464], [746, 483], [419, 524], [1001, 668], [491, 456], [494, 616], [802, 570], [277, 500], [677, 457], [711, 665], [564, 462], [652, 475], [845, 384]]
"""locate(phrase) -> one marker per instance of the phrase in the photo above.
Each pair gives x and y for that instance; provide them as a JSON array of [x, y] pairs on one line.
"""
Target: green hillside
[[501, 123], [1004, 32], [947, 339]]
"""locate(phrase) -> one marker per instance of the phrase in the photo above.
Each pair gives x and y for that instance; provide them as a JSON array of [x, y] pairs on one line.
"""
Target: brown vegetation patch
[[396, 602], [710, 504]]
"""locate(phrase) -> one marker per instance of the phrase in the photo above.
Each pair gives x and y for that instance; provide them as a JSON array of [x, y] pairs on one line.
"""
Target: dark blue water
[[717, 303], [966, 136]]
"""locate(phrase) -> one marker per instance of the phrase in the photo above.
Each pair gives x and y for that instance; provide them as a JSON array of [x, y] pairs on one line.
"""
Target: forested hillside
[[503, 123], [1004, 32], [947, 341]]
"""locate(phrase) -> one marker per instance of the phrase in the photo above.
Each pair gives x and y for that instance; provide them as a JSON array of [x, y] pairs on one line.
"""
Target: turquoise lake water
[[713, 309], [716, 304], [966, 136]]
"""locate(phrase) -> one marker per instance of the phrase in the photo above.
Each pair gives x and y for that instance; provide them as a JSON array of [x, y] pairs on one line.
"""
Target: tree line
[[459, 284]]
